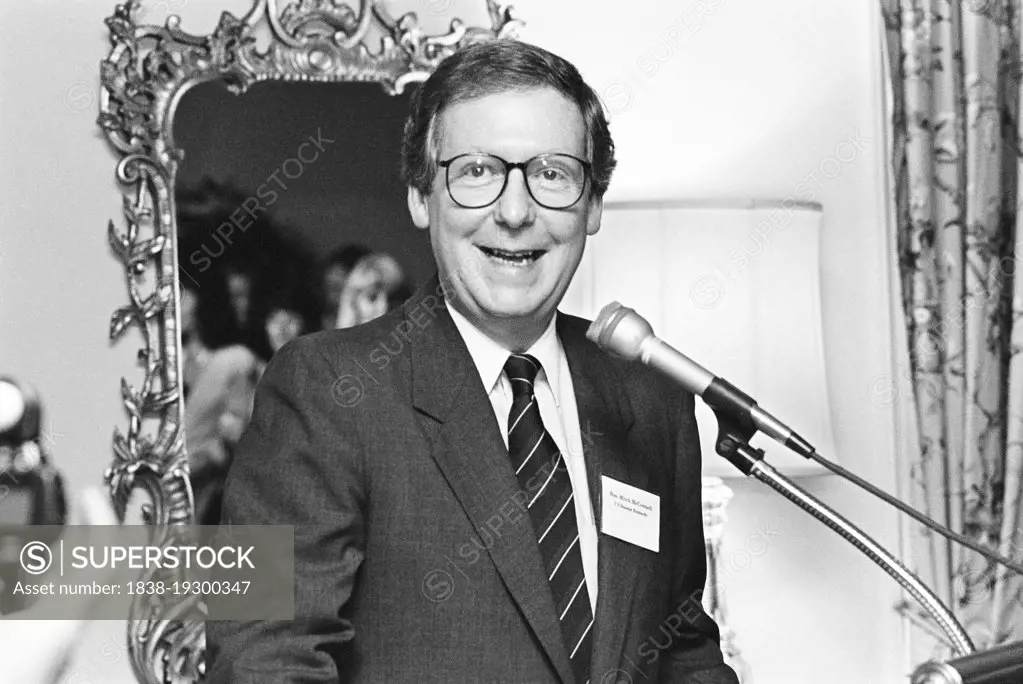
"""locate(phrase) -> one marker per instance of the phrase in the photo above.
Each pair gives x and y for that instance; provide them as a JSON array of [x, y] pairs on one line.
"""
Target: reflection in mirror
[[291, 219]]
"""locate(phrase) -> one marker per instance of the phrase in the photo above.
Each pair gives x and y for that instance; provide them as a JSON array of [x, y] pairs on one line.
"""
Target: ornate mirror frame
[[143, 78]]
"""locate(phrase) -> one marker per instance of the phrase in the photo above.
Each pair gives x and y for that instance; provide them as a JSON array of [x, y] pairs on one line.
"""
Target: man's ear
[[596, 212], [418, 208]]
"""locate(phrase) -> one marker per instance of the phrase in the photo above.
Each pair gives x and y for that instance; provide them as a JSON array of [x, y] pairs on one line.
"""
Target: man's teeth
[[514, 257]]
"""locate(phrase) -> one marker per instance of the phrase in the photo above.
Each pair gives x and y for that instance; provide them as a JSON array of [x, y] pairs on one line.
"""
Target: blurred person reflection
[[211, 237], [335, 272], [284, 307], [220, 377], [375, 286]]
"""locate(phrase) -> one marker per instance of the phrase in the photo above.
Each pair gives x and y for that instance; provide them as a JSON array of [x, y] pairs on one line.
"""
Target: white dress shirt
[[556, 397]]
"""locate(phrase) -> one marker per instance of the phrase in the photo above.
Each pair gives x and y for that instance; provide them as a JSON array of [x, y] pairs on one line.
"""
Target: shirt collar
[[490, 357]]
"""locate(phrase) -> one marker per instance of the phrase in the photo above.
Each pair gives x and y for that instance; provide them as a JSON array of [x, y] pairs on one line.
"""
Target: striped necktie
[[543, 476]]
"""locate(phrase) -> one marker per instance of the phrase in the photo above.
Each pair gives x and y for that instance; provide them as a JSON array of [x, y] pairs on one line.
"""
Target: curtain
[[955, 102]]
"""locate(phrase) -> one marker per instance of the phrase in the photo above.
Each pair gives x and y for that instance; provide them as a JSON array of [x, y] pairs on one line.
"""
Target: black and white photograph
[[511, 342]]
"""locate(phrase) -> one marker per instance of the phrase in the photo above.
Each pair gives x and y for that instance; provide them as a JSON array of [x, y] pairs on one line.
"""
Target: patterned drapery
[[955, 86]]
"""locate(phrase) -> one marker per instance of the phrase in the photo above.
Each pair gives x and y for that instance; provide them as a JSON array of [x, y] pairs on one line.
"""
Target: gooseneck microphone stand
[[621, 331], [733, 443]]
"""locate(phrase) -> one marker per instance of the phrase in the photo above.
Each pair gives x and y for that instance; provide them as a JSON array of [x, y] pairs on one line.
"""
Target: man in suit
[[479, 493]]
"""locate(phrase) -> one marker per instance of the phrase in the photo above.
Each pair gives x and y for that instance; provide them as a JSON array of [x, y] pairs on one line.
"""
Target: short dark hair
[[215, 320], [488, 68]]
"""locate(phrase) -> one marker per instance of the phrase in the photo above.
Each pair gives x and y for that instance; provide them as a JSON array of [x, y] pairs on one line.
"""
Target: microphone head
[[619, 330]]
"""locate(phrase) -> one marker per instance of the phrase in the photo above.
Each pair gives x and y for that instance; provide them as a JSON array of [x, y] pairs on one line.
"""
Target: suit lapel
[[605, 420], [468, 448]]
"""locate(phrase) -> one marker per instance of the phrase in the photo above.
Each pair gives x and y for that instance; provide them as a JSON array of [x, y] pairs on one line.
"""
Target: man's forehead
[[535, 117]]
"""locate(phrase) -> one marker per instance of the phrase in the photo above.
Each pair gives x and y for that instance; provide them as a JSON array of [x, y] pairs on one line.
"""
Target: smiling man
[[479, 493]]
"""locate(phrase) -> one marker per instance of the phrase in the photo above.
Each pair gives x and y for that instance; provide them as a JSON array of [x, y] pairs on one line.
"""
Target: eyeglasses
[[554, 181]]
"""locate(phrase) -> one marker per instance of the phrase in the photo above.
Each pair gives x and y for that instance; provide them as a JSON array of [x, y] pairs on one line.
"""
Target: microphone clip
[[733, 443], [735, 427]]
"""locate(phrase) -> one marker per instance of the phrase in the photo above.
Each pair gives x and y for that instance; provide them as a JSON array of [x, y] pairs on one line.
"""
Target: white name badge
[[630, 514]]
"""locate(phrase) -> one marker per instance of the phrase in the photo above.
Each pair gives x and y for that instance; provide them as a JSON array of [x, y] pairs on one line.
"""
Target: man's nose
[[515, 207]]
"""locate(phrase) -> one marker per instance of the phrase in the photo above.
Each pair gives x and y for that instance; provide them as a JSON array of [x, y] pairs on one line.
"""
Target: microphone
[[623, 332], [1001, 665]]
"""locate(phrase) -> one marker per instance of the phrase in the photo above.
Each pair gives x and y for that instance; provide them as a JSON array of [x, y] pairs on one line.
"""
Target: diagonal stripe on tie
[[544, 478], [568, 500]]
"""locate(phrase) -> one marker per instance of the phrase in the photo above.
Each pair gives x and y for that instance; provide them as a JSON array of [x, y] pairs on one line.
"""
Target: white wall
[[753, 98]]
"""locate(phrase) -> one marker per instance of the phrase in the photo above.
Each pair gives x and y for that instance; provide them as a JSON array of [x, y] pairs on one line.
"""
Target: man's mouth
[[518, 257]]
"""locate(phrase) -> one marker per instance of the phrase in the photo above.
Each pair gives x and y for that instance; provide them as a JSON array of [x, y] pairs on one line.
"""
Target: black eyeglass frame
[[511, 166]]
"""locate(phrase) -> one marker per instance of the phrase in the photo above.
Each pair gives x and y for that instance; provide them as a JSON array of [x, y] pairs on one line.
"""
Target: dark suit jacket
[[414, 561]]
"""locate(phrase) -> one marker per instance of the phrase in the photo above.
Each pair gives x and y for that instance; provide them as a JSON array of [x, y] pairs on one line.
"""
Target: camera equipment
[[31, 489]]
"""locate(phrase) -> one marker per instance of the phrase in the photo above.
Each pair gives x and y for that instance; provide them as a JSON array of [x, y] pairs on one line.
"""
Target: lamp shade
[[735, 286]]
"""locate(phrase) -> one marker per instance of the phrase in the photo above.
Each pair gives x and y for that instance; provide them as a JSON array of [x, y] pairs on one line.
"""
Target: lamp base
[[716, 496]]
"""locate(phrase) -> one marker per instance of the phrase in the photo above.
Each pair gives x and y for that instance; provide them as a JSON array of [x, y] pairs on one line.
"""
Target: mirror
[[281, 195], [201, 123]]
